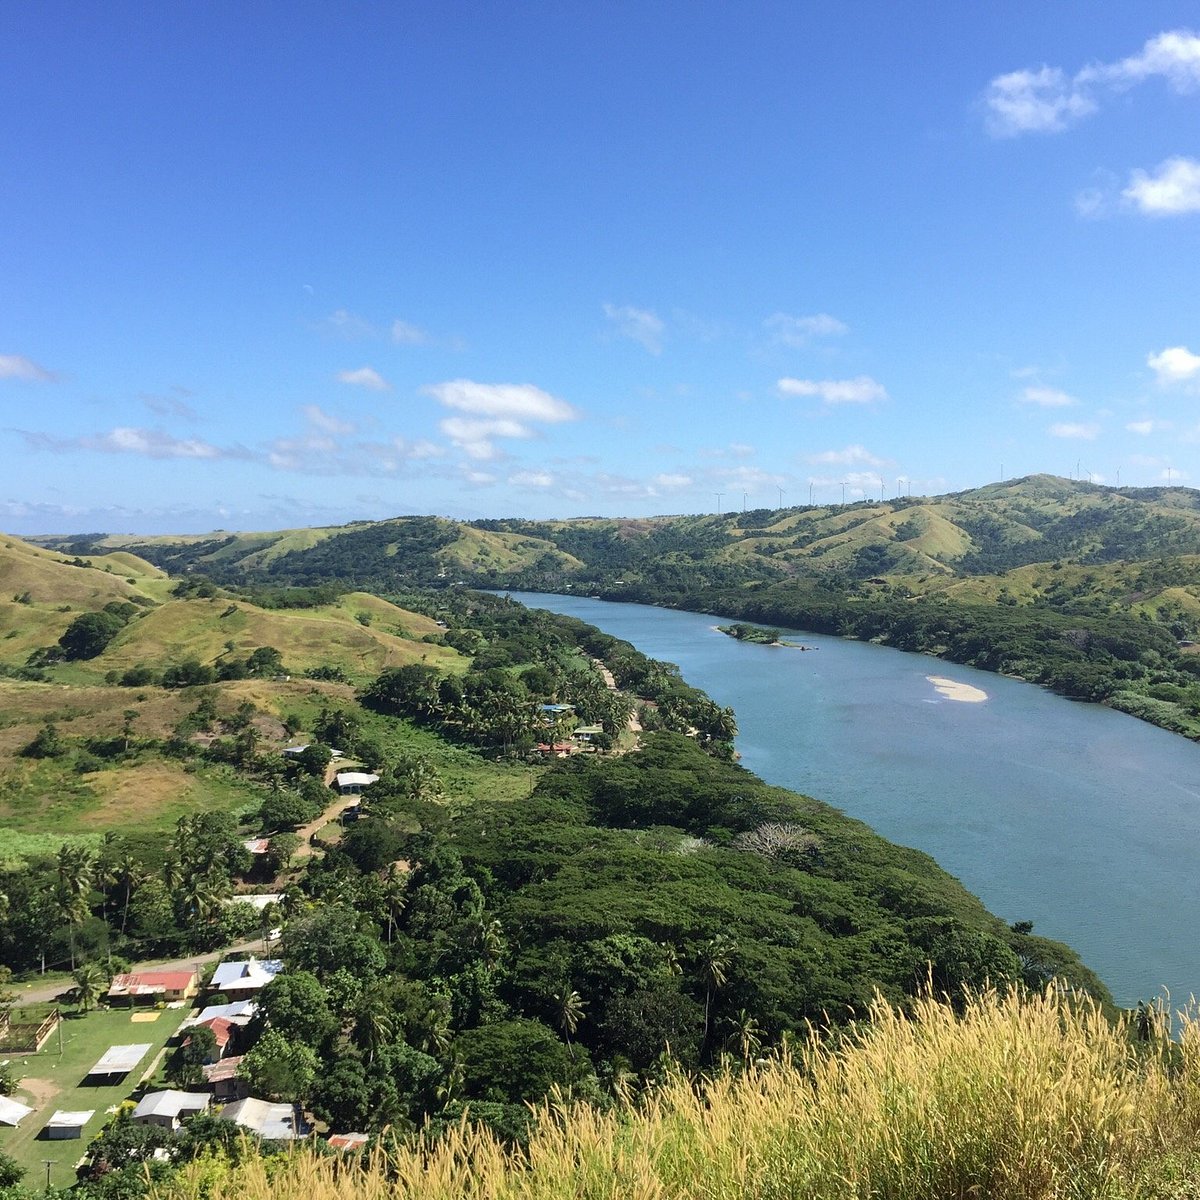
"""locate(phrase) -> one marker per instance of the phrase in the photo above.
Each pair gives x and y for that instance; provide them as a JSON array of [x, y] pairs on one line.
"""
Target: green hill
[[987, 530]]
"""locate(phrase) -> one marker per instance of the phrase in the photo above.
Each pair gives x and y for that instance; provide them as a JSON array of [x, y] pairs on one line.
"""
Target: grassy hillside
[[988, 530], [1038, 1099]]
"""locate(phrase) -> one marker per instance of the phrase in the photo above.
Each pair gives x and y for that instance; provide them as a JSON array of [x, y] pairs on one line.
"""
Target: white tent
[[120, 1060], [12, 1112]]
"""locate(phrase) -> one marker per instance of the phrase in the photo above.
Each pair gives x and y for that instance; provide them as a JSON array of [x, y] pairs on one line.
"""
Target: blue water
[[1080, 819]]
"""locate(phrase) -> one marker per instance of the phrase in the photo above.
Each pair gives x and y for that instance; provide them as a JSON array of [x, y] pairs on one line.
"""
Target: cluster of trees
[[134, 897], [523, 659]]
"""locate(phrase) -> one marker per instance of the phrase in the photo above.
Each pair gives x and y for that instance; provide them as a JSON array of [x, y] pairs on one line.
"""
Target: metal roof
[[69, 1120], [118, 1060], [170, 1103], [12, 1112]]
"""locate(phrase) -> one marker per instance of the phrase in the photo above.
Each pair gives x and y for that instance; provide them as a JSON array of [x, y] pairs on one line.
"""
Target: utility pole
[[780, 496], [743, 502], [843, 491], [719, 496], [50, 1162], [810, 493], [1118, 477]]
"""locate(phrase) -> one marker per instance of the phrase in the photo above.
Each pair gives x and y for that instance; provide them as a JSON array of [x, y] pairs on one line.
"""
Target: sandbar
[[953, 690]]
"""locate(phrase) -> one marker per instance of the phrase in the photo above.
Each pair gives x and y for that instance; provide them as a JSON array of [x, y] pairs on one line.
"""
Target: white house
[[239, 978], [351, 783], [168, 1108], [274, 1122]]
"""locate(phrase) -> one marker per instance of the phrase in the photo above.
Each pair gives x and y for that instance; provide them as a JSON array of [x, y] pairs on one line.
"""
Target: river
[[1080, 819]]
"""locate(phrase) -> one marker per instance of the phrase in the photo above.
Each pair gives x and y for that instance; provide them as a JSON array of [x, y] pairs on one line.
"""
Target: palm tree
[[435, 1031], [129, 875], [570, 1011], [373, 1022], [90, 984], [491, 943], [394, 895], [715, 958], [747, 1036]]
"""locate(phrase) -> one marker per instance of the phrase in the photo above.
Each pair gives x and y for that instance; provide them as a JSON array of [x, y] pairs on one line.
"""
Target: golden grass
[[1020, 1098]]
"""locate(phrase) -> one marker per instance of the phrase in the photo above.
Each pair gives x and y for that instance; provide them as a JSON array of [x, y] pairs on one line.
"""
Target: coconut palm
[[716, 955], [130, 875], [90, 984], [570, 1009], [374, 1022], [746, 1037]]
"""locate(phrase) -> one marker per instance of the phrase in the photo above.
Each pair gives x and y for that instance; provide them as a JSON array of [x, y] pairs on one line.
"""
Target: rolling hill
[[988, 530]]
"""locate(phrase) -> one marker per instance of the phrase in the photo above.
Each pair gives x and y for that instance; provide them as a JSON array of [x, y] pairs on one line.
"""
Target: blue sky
[[285, 264]]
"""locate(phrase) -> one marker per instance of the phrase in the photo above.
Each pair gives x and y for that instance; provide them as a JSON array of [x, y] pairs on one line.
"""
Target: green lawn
[[51, 1081]]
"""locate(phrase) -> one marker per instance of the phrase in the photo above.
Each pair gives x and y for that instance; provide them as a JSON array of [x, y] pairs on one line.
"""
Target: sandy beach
[[951, 689]]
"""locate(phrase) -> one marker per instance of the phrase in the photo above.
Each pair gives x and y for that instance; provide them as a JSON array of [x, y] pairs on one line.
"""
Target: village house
[[351, 783], [225, 1081], [272, 1122], [223, 1030], [241, 978], [168, 1109], [152, 987]]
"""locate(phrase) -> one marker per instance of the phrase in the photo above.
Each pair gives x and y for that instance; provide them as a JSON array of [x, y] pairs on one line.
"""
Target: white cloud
[[319, 419], [669, 482], [474, 435], [125, 439], [849, 456], [799, 331], [641, 325], [406, 334], [1079, 431], [1148, 426], [1047, 397], [1171, 190], [365, 377], [534, 479], [1175, 364], [1034, 101], [860, 390], [1174, 56], [521, 401], [17, 366], [348, 325], [1047, 100]]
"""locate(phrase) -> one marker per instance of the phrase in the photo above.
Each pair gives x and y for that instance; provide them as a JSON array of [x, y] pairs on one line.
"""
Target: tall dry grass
[[1017, 1097]]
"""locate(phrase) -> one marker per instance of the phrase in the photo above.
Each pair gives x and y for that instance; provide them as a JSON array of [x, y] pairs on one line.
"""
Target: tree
[[266, 660], [11, 1172], [570, 1010], [716, 955], [90, 984], [279, 1068], [374, 1023], [186, 1067], [89, 634], [286, 809], [48, 743], [280, 851], [129, 716], [296, 1005], [513, 1061]]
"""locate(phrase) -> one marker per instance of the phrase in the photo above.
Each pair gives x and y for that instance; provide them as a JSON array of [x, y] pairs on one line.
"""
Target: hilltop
[[988, 530]]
